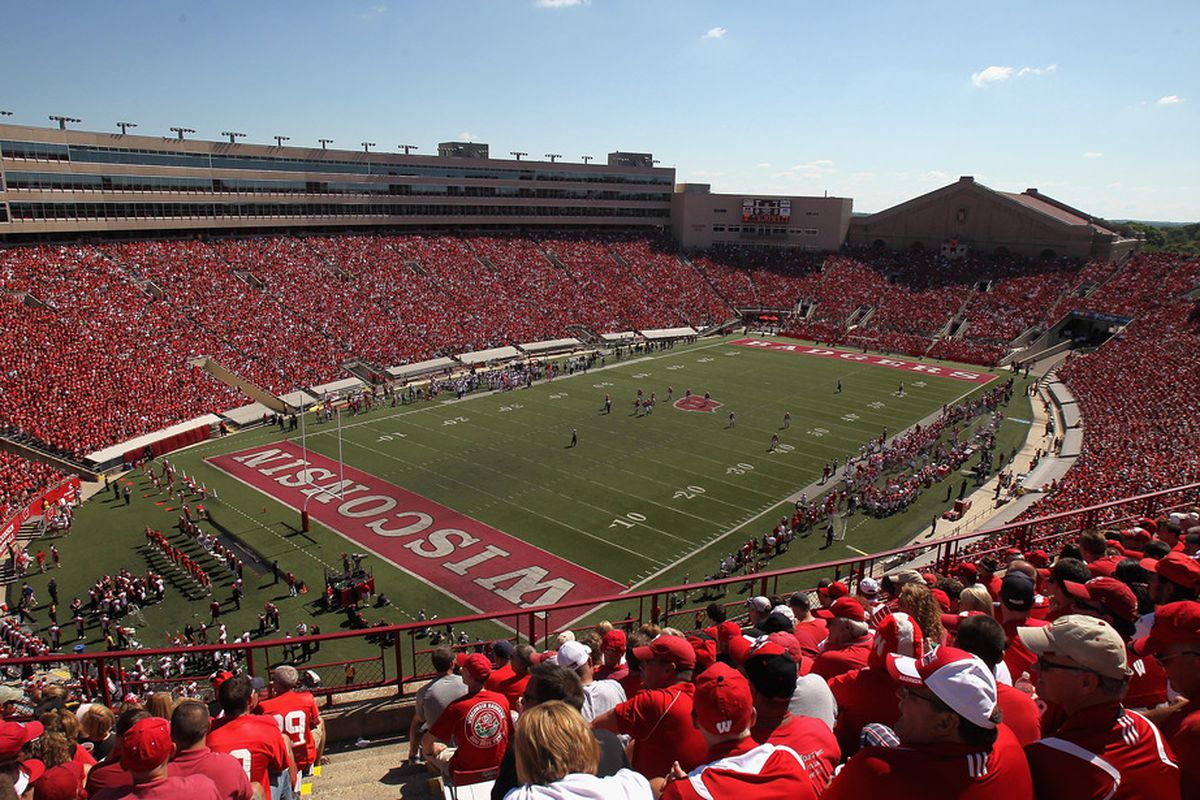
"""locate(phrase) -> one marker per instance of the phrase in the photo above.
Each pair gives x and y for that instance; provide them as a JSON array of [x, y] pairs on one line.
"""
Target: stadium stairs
[[31, 453], [247, 387]]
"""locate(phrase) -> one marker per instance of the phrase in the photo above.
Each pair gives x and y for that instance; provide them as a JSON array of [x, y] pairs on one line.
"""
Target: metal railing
[[107, 675]]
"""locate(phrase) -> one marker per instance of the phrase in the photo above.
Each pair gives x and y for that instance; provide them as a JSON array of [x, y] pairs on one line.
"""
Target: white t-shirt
[[625, 785], [601, 696]]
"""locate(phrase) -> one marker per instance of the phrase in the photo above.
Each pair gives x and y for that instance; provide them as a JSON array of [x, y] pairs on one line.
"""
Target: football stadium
[[399, 449]]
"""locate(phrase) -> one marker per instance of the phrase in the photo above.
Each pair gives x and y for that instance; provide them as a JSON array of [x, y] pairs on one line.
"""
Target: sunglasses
[[928, 698], [1044, 666]]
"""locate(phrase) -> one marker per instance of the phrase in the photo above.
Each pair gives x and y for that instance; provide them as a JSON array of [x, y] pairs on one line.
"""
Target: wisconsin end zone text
[[477, 564]]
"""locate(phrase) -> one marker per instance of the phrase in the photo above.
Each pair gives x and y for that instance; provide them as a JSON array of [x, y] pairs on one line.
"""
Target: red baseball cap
[[613, 642], [966, 568], [146, 745], [706, 651], [1174, 623], [942, 599], [834, 590], [31, 772], [57, 784], [722, 703], [1176, 568], [727, 631], [1109, 593], [672, 649], [849, 608], [14, 736], [478, 666], [1039, 558]]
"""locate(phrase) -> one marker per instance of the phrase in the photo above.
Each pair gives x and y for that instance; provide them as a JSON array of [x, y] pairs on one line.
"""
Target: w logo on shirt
[[724, 726]]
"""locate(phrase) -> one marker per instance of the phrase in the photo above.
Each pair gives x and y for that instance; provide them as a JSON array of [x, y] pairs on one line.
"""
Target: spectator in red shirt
[[1175, 577], [1016, 601], [1174, 642], [869, 694], [612, 649], [983, 636], [295, 712], [1098, 750], [772, 675], [251, 738], [512, 673], [801, 606], [189, 727], [737, 765], [659, 718], [146, 749], [479, 725], [951, 742], [849, 644]]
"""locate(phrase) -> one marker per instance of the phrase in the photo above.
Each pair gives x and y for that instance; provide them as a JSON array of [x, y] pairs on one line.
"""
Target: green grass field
[[644, 499]]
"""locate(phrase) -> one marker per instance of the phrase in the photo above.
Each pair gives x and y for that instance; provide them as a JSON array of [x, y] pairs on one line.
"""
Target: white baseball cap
[[960, 680]]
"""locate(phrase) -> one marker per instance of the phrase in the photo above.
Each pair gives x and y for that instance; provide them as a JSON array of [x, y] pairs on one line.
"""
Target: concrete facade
[[60, 183], [987, 222], [701, 219]]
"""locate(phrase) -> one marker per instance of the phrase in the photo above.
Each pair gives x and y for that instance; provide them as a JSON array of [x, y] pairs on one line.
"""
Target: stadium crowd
[[1027, 677], [995, 681]]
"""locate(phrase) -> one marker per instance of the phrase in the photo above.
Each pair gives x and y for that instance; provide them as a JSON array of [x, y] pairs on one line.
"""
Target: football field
[[486, 504]]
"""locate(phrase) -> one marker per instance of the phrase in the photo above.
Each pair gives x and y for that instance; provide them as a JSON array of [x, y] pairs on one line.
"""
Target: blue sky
[[1095, 103]]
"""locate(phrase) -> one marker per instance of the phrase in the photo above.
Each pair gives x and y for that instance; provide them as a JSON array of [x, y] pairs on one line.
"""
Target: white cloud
[[1170, 100], [562, 3], [996, 74], [763, 165], [811, 169], [1092, 154], [374, 12], [1023, 71], [715, 33], [467, 136], [935, 176]]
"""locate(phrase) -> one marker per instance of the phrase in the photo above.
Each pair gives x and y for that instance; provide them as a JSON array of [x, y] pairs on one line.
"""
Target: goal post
[[338, 489]]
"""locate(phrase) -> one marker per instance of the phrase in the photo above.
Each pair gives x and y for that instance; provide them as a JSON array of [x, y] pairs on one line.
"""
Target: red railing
[[107, 673]]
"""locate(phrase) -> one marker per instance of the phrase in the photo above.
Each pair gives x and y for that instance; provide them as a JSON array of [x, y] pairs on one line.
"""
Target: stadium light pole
[[517, 154], [62, 121], [181, 131], [233, 136], [553, 156], [279, 140], [325, 142], [407, 148], [124, 126], [367, 146], [586, 159]]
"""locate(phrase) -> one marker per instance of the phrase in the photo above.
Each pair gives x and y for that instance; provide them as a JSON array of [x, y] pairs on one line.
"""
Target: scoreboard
[[778, 211]]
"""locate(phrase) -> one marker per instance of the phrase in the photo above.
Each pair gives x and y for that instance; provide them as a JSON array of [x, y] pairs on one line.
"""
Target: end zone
[[484, 568], [914, 367]]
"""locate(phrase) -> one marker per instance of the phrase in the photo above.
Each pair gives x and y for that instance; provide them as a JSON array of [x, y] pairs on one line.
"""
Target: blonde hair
[[161, 704], [552, 741], [975, 598], [916, 599], [97, 722]]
